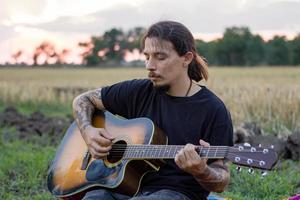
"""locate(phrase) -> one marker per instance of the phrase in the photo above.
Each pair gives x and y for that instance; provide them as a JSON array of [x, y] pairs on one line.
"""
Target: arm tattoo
[[84, 106], [215, 177]]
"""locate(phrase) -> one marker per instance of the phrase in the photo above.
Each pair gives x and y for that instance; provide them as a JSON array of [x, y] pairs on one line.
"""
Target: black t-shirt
[[183, 119]]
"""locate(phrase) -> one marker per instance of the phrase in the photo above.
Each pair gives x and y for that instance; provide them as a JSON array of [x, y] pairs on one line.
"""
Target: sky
[[24, 24]]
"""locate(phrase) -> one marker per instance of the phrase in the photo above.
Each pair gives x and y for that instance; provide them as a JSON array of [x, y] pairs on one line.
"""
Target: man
[[188, 114]]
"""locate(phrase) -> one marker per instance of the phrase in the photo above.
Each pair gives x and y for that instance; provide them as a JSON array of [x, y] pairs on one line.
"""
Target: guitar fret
[[216, 152], [153, 152], [125, 155], [138, 152], [200, 151], [166, 151], [131, 152], [134, 152], [176, 151], [157, 151], [128, 152], [170, 151], [207, 152], [173, 151], [160, 148]]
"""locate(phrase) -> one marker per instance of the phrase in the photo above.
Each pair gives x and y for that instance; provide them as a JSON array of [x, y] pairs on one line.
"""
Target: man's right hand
[[98, 140]]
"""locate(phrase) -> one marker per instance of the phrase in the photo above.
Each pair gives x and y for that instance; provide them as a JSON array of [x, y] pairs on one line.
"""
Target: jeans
[[164, 194]]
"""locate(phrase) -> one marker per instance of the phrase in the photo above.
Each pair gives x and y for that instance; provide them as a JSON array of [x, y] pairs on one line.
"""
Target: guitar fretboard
[[170, 151]]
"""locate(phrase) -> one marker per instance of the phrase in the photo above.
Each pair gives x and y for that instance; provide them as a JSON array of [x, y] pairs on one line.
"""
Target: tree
[[112, 46], [133, 38], [207, 50], [45, 53], [277, 51], [61, 57], [254, 53], [16, 56], [295, 50], [231, 48], [114, 42]]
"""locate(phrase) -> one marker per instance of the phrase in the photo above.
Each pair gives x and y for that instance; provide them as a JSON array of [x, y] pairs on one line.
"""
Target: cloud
[[205, 16], [200, 16], [276, 16], [13, 8]]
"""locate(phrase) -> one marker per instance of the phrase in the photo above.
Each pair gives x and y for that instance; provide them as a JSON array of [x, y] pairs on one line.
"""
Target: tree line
[[237, 47]]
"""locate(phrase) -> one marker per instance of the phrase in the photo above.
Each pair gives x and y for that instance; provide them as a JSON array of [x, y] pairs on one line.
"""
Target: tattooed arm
[[84, 106], [213, 177], [97, 139]]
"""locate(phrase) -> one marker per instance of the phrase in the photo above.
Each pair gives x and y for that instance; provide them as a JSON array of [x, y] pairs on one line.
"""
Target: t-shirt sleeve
[[221, 133], [221, 130], [120, 97]]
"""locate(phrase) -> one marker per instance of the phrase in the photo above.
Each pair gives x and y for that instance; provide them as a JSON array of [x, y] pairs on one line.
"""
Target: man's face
[[164, 64]]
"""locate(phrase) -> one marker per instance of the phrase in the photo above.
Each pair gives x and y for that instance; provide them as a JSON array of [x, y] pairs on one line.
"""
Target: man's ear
[[188, 57]]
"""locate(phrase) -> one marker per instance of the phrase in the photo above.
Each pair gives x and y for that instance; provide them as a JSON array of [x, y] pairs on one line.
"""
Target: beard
[[161, 88]]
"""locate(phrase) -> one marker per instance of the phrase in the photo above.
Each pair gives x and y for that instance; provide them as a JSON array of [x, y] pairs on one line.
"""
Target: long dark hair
[[183, 42]]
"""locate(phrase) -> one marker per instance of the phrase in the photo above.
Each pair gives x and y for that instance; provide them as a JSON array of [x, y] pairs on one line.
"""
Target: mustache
[[153, 75]]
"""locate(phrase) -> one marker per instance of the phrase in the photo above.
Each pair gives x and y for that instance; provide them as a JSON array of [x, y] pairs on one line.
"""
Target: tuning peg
[[250, 171], [246, 144], [259, 145], [238, 169], [264, 173], [272, 146]]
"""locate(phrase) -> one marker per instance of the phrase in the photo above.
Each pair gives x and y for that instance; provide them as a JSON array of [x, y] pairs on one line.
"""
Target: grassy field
[[268, 96]]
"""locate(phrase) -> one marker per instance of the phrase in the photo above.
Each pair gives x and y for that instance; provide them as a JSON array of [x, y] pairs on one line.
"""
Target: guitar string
[[155, 150], [159, 148], [173, 146], [202, 151], [120, 149], [119, 152], [137, 154], [127, 158], [133, 149], [143, 146]]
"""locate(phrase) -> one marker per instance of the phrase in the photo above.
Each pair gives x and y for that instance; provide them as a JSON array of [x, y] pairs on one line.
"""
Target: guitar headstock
[[254, 157]]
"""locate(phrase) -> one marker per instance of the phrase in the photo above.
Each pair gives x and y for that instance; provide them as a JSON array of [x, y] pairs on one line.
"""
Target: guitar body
[[69, 178], [138, 148]]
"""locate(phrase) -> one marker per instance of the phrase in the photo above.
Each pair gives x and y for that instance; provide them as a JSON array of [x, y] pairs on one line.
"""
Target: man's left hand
[[189, 160]]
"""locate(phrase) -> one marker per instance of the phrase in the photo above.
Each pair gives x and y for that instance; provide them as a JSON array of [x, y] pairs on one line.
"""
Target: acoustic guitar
[[138, 148]]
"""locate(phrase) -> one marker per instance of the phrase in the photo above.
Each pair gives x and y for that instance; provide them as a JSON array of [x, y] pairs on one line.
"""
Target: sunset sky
[[25, 24]]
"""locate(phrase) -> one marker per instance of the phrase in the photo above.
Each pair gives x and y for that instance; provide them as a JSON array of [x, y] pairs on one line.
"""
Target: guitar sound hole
[[117, 151]]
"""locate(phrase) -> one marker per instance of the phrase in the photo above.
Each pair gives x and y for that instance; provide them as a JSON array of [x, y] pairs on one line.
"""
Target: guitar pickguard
[[98, 172]]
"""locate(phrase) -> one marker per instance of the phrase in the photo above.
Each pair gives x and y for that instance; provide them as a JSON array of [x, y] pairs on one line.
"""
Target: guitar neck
[[167, 151]]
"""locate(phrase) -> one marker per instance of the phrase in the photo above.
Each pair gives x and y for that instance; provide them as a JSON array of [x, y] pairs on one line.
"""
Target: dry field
[[268, 96]]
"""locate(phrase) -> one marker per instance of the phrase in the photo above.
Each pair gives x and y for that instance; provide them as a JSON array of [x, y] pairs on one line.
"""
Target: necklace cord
[[188, 91]]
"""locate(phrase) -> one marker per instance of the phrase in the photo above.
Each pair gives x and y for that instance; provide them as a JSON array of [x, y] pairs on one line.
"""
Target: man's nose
[[150, 65]]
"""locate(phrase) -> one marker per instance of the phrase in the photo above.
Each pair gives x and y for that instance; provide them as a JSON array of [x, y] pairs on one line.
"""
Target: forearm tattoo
[[215, 177], [84, 106]]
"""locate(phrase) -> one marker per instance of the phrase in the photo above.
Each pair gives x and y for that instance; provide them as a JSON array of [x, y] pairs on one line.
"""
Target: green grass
[[278, 184], [23, 170], [24, 165]]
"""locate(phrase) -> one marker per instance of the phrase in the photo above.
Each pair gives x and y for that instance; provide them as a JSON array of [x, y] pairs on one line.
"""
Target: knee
[[97, 194]]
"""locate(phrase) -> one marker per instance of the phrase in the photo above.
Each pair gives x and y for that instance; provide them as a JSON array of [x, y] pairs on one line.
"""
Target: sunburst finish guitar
[[138, 148]]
